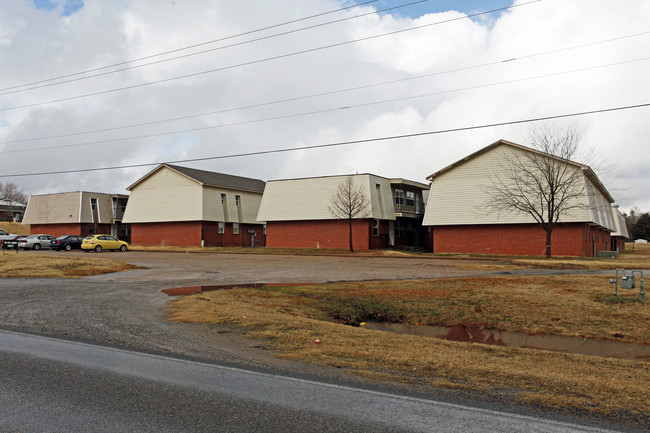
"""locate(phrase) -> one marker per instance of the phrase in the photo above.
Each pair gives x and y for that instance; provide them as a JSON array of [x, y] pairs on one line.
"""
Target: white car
[[4, 236], [35, 242]]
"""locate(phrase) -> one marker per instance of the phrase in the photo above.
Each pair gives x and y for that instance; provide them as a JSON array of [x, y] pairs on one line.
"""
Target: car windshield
[[89, 237], [61, 237], [31, 236]]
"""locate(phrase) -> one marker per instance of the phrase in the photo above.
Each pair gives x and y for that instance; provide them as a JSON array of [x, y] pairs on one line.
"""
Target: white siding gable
[[458, 196], [164, 196], [311, 198], [60, 208]]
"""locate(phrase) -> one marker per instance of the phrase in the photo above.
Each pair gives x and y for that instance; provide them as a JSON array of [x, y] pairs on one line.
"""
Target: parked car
[[103, 242], [4, 235], [35, 242], [11, 243], [67, 242]]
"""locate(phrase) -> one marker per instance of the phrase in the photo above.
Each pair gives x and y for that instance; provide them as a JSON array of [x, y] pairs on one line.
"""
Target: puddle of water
[[583, 346], [189, 290]]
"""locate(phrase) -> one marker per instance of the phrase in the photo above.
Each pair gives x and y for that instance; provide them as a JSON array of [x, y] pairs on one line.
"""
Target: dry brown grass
[[27, 265], [15, 228], [291, 318]]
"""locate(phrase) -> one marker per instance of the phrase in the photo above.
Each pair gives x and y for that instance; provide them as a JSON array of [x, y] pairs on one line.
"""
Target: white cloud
[[37, 44]]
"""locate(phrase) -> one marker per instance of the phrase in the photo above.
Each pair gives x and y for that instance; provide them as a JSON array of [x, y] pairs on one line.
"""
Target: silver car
[[35, 242]]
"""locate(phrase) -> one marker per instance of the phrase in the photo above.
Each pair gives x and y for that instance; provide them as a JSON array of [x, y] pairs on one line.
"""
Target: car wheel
[[37, 246], [123, 248], [68, 247], [98, 249]]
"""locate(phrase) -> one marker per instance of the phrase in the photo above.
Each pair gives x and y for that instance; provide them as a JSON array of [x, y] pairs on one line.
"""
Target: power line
[[207, 51], [336, 144], [267, 59], [191, 46], [327, 110], [298, 98]]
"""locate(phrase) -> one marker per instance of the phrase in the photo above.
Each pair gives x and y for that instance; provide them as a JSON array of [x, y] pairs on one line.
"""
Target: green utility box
[[608, 254]]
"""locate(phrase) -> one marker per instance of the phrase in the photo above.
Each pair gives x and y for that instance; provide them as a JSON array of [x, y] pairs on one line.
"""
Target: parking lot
[[221, 268]]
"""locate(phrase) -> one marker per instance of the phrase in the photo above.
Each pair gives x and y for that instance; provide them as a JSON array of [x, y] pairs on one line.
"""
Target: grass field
[[15, 228], [20, 265], [291, 318]]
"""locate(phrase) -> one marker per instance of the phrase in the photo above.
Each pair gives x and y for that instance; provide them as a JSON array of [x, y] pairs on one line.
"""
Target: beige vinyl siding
[[104, 208], [381, 198], [164, 196], [600, 208], [214, 210], [458, 196], [311, 198], [60, 208], [619, 221]]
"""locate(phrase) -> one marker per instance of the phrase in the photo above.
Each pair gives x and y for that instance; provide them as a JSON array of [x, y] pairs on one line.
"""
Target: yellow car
[[103, 242]]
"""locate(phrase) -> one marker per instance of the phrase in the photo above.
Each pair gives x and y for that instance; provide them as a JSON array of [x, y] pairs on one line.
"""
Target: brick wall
[[190, 233], [56, 229], [520, 239], [328, 234], [212, 237], [184, 233]]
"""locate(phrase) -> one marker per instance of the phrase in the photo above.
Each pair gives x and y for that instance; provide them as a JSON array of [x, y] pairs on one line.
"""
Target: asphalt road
[[52, 385]]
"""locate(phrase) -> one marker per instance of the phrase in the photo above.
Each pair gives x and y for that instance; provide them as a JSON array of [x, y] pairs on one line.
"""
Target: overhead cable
[[326, 110], [332, 92], [190, 46], [267, 59], [337, 144], [209, 50]]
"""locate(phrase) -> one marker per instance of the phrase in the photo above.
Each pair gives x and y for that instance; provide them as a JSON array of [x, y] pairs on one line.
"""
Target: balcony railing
[[416, 209]]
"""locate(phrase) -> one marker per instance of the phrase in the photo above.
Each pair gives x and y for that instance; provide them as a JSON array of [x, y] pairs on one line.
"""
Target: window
[[93, 203], [399, 197], [375, 228], [235, 228], [223, 198], [237, 200], [264, 229], [220, 228], [410, 198]]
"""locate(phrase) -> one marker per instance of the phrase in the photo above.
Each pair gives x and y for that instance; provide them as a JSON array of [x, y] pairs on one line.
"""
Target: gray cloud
[[39, 44]]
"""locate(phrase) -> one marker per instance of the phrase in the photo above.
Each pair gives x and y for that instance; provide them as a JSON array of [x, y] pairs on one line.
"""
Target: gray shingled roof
[[212, 178]]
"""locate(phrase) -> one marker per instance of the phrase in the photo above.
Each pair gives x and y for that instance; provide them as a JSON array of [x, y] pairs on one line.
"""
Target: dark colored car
[[12, 243], [68, 242]]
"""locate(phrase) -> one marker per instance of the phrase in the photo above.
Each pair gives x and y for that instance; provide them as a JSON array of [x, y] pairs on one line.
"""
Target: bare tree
[[12, 193], [349, 203], [543, 182]]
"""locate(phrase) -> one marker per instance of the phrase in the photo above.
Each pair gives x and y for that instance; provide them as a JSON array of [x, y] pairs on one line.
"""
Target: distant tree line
[[638, 224]]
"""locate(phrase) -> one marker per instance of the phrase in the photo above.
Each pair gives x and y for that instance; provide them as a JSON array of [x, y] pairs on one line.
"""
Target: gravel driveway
[[128, 309]]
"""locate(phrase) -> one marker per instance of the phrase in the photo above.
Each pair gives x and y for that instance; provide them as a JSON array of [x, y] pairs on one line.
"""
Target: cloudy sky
[[90, 84]]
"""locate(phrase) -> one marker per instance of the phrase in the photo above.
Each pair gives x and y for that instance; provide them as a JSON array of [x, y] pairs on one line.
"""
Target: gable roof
[[311, 198], [587, 171], [210, 178]]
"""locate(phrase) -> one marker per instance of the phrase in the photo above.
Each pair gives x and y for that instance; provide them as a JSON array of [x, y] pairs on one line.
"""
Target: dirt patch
[[469, 333]]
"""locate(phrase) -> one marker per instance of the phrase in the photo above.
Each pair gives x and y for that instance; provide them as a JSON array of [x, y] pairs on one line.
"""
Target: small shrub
[[354, 313]]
